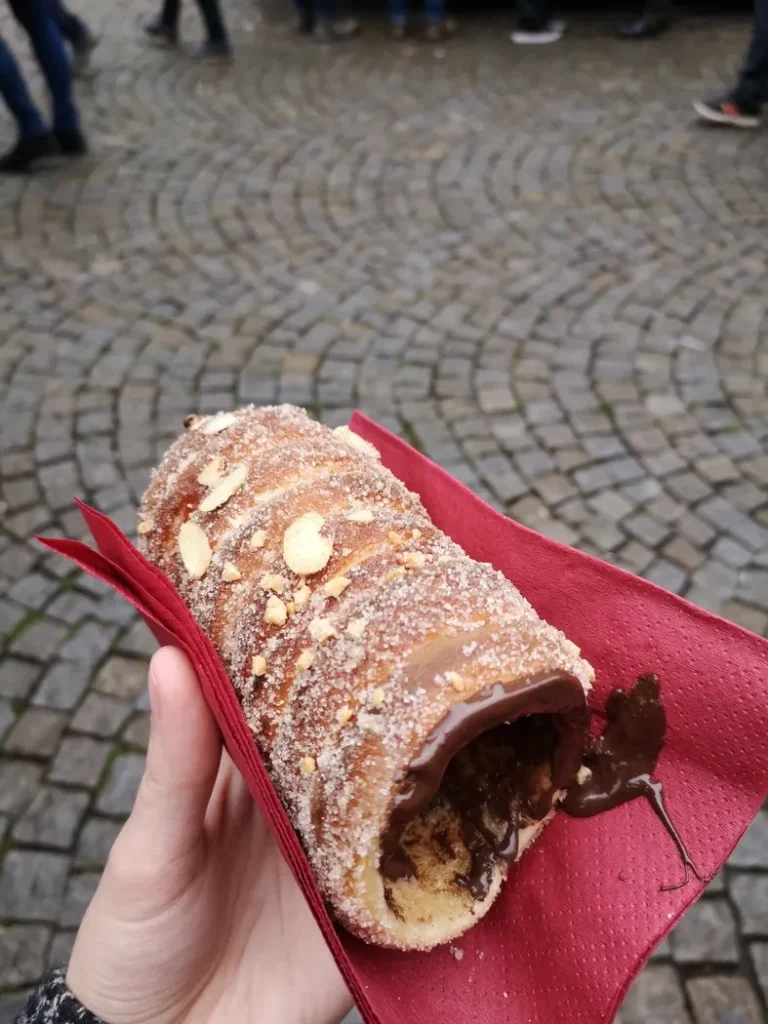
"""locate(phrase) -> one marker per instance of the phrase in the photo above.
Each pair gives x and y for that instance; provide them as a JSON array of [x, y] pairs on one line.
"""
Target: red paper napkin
[[580, 914]]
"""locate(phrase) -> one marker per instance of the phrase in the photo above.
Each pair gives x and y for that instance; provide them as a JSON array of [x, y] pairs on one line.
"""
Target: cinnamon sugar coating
[[374, 648]]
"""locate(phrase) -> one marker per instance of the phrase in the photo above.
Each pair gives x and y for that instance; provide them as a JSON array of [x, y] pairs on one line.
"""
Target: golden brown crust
[[344, 672]]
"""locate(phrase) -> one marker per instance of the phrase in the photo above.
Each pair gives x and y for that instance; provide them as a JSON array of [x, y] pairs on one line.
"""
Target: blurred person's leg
[[328, 28], [37, 17], [217, 43], [652, 19], [35, 141], [742, 106], [398, 17], [437, 26], [535, 23], [77, 34], [164, 27]]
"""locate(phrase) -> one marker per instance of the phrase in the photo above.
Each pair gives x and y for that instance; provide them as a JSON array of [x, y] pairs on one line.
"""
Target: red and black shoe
[[726, 112]]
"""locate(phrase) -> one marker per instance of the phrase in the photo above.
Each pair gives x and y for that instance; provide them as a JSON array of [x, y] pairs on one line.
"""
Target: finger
[[182, 762]]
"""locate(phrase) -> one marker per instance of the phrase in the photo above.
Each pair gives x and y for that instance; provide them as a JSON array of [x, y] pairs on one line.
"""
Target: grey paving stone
[[656, 995], [79, 761], [119, 792], [62, 686], [80, 890], [723, 998], [750, 894], [752, 850], [18, 783], [36, 733], [39, 640], [136, 733], [707, 934], [122, 677], [61, 948], [22, 954], [32, 885], [17, 677], [12, 1003], [101, 715], [758, 952], [95, 842], [52, 819]]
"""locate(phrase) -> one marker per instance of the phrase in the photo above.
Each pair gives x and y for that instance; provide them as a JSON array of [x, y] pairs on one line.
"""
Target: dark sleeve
[[53, 1003]]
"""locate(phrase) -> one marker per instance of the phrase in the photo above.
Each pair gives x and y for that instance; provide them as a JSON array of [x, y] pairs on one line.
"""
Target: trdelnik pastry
[[418, 719]]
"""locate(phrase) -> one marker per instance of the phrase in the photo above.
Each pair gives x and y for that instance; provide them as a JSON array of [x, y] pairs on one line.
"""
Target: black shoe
[[81, 52], [26, 153], [71, 142], [327, 31], [438, 31], [644, 28], [211, 51], [161, 34], [304, 24], [398, 29], [725, 111]]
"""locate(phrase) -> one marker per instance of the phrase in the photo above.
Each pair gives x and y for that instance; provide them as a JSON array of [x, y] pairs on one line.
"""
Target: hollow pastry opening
[[484, 783]]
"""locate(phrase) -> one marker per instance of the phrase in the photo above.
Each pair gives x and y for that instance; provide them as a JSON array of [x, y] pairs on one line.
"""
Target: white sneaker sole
[[536, 38], [728, 120]]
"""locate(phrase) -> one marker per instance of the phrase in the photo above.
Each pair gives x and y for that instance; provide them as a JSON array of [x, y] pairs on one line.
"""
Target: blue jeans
[[434, 10], [14, 91], [753, 80], [38, 19], [311, 9], [71, 27]]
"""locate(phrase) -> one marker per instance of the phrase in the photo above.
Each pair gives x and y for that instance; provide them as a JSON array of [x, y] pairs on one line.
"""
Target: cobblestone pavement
[[527, 261]]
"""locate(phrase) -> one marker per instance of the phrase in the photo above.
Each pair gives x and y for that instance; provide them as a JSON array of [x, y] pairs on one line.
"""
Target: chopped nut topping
[[415, 534], [211, 474], [321, 630], [308, 766], [571, 648], [377, 697], [345, 552], [394, 537], [413, 559], [583, 775], [216, 424], [236, 521], [337, 586], [305, 659], [356, 627], [356, 442], [144, 527], [290, 607], [343, 715], [394, 573], [273, 581], [258, 539], [194, 549], [305, 550], [275, 613], [230, 573], [361, 515], [456, 680], [258, 665], [224, 489], [301, 596]]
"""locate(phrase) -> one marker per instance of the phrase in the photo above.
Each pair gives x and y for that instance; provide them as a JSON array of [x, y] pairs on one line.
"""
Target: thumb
[[182, 763]]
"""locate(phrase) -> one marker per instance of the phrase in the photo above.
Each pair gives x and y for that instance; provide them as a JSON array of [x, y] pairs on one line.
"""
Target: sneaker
[[27, 152], [644, 28], [71, 142], [81, 53], [161, 34], [213, 51], [439, 31], [551, 33], [327, 31], [725, 112]]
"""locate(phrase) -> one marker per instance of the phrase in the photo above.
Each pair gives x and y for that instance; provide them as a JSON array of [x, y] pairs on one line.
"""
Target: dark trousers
[[72, 28], [37, 18], [434, 10], [214, 23], [533, 15], [753, 80]]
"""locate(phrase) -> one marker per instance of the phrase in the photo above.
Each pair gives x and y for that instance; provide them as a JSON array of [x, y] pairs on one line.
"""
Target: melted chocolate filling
[[623, 758], [498, 760]]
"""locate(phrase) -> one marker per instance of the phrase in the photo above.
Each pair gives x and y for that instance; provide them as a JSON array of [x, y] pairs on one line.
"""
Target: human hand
[[197, 917]]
